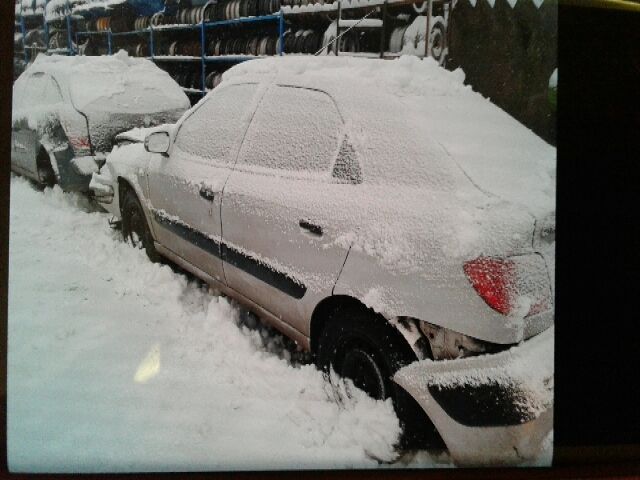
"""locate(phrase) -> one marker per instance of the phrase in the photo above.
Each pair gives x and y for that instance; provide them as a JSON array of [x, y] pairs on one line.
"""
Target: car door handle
[[311, 228], [207, 193]]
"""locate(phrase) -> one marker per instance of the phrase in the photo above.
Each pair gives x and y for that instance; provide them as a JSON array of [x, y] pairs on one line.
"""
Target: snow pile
[[137, 368]]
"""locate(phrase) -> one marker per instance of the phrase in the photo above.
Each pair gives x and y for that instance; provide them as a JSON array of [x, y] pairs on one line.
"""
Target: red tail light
[[81, 145], [492, 278], [510, 284]]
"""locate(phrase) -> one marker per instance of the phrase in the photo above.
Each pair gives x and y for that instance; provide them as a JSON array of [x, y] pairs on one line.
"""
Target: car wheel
[[366, 349], [46, 174], [436, 41], [135, 229]]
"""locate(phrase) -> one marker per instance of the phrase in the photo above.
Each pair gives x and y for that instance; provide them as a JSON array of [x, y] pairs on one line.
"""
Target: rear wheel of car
[[45, 171], [135, 229], [366, 349]]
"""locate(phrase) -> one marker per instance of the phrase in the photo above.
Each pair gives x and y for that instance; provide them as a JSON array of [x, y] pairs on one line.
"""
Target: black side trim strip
[[263, 272], [233, 257], [191, 235]]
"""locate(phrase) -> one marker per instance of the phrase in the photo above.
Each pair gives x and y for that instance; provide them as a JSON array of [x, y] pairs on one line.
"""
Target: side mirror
[[157, 142]]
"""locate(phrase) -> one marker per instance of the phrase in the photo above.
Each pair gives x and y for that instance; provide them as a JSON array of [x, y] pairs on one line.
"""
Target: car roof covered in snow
[[413, 112], [134, 84]]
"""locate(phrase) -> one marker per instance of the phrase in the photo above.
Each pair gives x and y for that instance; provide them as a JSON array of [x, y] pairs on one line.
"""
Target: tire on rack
[[364, 347], [135, 228], [436, 39], [252, 47], [420, 7]]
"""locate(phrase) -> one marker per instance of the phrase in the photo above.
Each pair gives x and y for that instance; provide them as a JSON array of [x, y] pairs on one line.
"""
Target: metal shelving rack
[[20, 21], [383, 24], [202, 27]]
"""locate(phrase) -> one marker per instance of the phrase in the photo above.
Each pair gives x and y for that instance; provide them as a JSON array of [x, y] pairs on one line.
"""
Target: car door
[[38, 104], [17, 147], [185, 186], [280, 204], [26, 120]]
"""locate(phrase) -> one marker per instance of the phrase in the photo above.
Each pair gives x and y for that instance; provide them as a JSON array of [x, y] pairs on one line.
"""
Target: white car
[[381, 214], [67, 111]]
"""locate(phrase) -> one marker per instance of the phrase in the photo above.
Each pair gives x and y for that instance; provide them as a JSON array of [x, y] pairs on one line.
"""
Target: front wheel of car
[[135, 228], [368, 350]]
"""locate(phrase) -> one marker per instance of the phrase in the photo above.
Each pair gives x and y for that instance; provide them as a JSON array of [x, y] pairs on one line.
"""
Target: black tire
[[135, 229], [365, 348], [46, 175], [436, 41]]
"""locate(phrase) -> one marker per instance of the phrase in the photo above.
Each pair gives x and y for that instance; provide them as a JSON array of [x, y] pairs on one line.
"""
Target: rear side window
[[40, 89], [212, 131], [294, 129]]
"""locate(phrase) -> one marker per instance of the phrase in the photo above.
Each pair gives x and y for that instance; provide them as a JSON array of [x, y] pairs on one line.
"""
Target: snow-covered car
[[386, 217], [67, 111]]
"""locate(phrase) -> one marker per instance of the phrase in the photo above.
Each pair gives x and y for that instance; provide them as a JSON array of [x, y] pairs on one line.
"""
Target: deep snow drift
[[117, 364]]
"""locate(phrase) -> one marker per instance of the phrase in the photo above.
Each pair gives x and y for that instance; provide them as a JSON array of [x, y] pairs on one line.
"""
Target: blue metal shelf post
[[203, 51], [23, 29], [70, 48], [45, 25], [281, 33], [151, 46]]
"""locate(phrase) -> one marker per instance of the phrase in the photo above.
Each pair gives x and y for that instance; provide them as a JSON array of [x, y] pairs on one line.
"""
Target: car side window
[[216, 127], [52, 92], [40, 90], [294, 129], [18, 94]]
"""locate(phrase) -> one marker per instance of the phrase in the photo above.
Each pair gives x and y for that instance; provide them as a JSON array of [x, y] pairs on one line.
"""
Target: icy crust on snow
[[117, 83], [138, 368], [526, 369]]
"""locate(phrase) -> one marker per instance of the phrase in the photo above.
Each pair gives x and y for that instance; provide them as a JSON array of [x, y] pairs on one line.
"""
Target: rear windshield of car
[[116, 86]]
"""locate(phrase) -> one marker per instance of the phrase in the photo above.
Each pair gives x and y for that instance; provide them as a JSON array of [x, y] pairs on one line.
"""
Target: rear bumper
[[74, 173], [491, 409]]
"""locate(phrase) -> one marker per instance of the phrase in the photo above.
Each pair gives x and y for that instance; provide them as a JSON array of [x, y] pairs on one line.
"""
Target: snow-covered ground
[[118, 364]]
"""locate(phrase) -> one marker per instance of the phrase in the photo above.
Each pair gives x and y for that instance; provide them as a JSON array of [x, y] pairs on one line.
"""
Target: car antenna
[[347, 30]]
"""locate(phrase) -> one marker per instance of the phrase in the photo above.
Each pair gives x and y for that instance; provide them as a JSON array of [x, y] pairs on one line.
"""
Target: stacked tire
[[212, 80], [190, 16], [256, 45], [142, 23], [103, 24], [302, 41], [184, 48], [234, 9], [141, 49], [187, 79]]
